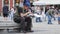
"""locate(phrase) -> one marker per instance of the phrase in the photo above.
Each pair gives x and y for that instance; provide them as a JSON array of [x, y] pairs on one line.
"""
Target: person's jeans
[[49, 19], [53, 17], [38, 19], [11, 16]]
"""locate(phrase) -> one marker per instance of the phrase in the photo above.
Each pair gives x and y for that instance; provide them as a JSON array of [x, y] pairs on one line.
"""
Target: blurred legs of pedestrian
[[25, 24], [44, 18], [22, 24], [54, 17], [38, 19], [29, 24], [49, 19], [58, 20], [11, 16], [5, 16]]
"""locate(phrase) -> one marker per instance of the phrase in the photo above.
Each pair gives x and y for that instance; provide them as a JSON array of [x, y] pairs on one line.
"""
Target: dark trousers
[[22, 23], [26, 23], [29, 23]]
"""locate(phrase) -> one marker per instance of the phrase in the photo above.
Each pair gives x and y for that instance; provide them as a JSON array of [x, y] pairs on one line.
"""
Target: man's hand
[[29, 12], [22, 15]]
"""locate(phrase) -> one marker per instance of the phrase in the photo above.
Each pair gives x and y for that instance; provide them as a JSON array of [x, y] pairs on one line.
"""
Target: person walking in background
[[12, 11], [59, 16], [43, 16], [55, 13], [49, 14], [38, 11], [5, 12]]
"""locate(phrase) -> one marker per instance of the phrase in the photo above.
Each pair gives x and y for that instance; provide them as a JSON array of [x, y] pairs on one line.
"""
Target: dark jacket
[[5, 9]]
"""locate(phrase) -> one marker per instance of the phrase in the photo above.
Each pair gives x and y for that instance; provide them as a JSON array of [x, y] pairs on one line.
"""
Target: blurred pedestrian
[[39, 12], [49, 14], [43, 16], [5, 12], [59, 17], [12, 11]]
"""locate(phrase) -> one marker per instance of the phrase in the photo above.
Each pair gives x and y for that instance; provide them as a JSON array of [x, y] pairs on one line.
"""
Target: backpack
[[16, 18]]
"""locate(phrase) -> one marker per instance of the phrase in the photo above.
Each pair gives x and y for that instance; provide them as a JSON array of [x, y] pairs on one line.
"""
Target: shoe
[[49, 23], [23, 31], [40, 21]]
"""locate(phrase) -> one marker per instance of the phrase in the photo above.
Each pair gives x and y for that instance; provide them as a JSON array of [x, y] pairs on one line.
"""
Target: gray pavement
[[41, 28]]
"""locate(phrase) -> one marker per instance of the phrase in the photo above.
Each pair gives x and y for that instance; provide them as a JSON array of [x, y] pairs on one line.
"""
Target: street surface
[[41, 28]]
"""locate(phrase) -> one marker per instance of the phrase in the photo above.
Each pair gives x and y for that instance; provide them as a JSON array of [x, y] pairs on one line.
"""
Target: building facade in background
[[10, 3]]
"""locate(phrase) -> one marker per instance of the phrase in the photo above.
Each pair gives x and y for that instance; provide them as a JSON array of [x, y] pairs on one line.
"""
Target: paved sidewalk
[[41, 28]]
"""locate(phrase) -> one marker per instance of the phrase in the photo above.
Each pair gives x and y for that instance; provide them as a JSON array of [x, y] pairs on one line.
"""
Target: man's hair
[[20, 10]]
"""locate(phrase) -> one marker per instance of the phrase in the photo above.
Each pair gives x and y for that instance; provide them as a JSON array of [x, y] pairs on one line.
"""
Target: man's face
[[26, 7]]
